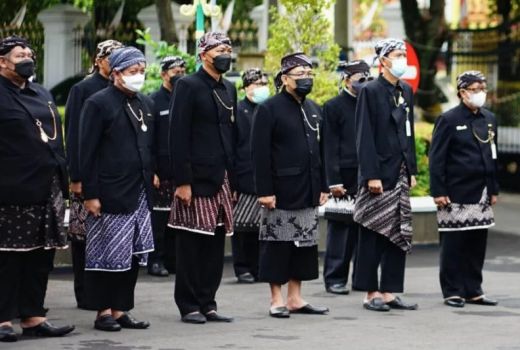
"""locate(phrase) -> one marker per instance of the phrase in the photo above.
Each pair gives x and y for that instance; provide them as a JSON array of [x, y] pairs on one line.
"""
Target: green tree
[[304, 28], [426, 30]]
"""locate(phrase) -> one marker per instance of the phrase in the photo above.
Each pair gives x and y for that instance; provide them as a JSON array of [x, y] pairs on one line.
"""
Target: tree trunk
[[166, 22], [426, 32]]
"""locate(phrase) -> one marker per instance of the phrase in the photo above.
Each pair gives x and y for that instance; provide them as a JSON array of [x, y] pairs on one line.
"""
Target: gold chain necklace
[[226, 107], [140, 118], [491, 135], [316, 128], [43, 135]]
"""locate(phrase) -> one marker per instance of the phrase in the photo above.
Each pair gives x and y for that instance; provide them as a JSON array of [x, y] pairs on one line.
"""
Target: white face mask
[[478, 99], [399, 66], [134, 82]]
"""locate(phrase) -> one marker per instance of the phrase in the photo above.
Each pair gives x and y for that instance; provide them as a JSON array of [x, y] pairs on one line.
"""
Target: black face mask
[[357, 86], [175, 79], [303, 86], [25, 69], [222, 63]]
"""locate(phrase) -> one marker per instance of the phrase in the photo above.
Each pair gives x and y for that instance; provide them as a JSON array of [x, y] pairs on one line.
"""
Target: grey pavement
[[348, 326]]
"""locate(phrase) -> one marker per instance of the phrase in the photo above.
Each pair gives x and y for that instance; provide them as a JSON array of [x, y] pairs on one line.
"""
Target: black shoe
[[398, 304], [157, 269], [196, 318], [7, 334], [376, 304], [484, 300], [128, 321], [337, 289], [455, 302], [310, 310], [279, 312], [46, 329], [246, 278], [212, 316], [107, 323]]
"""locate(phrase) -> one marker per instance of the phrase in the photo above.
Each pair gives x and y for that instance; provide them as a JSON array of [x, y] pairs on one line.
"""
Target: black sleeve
[[181, 110], [72, 115], [263, 123], [369, 167], [331, 145], [413, 170], [438, 151], [496, 186], [90, 133]]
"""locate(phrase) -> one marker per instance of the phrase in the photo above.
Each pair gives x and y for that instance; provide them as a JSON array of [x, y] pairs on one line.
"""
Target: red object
[[412, 75]]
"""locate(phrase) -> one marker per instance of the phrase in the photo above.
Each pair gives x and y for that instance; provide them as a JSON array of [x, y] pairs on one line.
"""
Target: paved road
[[348, 326]]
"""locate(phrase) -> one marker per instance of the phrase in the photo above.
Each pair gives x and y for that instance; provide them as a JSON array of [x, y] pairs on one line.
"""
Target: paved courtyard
[[348, 326]]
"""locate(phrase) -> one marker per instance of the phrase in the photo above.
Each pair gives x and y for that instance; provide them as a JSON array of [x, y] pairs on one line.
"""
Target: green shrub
[[423, 134], [305, 28]]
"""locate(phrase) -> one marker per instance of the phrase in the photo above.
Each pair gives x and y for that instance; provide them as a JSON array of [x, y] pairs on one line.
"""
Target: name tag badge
[[165, 112], [408, 128], [493, 150], [461, 127]]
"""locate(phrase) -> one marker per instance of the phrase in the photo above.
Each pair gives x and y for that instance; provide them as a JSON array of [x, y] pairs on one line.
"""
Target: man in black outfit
[[339, 143], [161, 260], [202, 145], [78, 94], [247, 210]]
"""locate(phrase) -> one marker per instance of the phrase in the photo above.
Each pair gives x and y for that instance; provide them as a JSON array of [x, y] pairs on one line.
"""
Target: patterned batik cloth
[[246, 215], [163, 196], [112, 239], [299, 226], [29, 227], [77, 217], [461, 217], [389, 213], [204, 214]]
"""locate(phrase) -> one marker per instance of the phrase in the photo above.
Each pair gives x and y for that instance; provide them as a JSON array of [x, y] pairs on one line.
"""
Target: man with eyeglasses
[[290, 185], [463, 182], [339, 143], [247, 210], [387, 167]]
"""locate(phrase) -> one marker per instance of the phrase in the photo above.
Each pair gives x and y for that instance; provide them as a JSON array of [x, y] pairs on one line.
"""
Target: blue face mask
[[260, 94], [399, 66]]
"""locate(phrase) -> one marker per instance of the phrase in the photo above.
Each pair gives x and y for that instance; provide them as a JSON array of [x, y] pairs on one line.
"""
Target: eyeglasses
[[260, 83], [363, 79], [477, 90], [301, 74]]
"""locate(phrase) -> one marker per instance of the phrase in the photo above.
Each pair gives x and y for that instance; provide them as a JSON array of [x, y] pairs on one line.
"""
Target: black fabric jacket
[[27, 163], [286, 152], [202, 133], [381, 140], [460, 165], [116, 156], [77, 96], [244, 167], [339, 141], [161, 99]]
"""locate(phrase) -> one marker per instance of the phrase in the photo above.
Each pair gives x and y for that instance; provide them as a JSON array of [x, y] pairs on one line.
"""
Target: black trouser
[[164, 241], [341, 248], [245, 252], [200, 261], [23, 278], [462, 257], [111, 290], [376, 250], [78, 267]]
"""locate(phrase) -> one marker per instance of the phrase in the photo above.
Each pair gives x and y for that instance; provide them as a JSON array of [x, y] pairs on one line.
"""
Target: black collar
[[467, 113], [29, 87], [389, 86], [165, 90], [249, 103], [347, 95], [209, 79], [291, 97]]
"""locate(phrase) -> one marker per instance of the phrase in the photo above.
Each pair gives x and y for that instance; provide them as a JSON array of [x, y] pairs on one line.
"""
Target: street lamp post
[[200, 8]]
